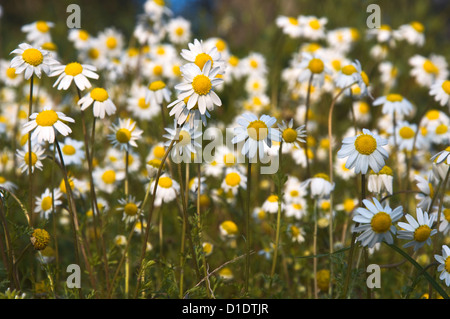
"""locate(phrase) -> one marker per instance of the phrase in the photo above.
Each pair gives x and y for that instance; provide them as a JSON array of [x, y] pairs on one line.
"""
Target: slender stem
[[149, 217], [316, 292], [183, 231], [199, 214], [30, 153], [277, 234], [308, 98], [247, 230]]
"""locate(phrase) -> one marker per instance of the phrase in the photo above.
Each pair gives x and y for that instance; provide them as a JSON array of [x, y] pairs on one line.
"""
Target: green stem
[[247, 230]]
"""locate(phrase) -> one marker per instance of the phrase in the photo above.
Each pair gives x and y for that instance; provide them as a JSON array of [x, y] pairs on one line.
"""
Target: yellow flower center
[[123, 135], [42, 26], [325, 205], [418, 26], [160, 3], [32, 56], [297, 206], [386, 170], [230, 227], [179, 31], [365, 78], [207, 248], [201, 84], [422, 233], [273, 198], [221, 45], [293, 21], [165, 182], [295, 231], [159, 151], [349, 205], [184, 138], [2, 180], [111, 43], [157, 70], [11, 73], [446, 86], [381, 222], [33, 158], [430, 186], [406, 132], [254, 64], [441, 129], [289, 135], [93, 53], [385, 27], [233, 179], [234, 61], [46, 203], [348, 69], [336, 64], [49, 46], [430, 67], [447, 214], [47, 118], [68, 150], [257, 130], [201, 59], [156, 163], [322, 176], [294, 193], [432, 115], [99, 94], [176, 70], [40, 239], [315, 24], [394, 98], [316, 66], [447, 264], [131, 209], [83, 35], [157, 85], [365, 144], [142, 104], [109, 177], [229, 159], [73, 69], [363, 107]]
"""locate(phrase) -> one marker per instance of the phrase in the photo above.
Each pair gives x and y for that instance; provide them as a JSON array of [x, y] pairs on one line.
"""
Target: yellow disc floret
[[257, 130], [46, 118], [365, 144], [33, 56], [381, 222], [201, 84], [73, 69]]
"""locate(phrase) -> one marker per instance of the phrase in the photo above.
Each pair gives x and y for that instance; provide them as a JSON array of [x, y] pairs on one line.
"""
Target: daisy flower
[[418, 231], [348, 205], [38, 32], [270, 205], [376, 222], [72, 151], [166, 191], [79, 73], [254, 64], [444, 264], [313, 65], [125, 133], [404, 136], [444, 225], [130, 208], [319, 186], [179, 30], [207, 248], [182, 113], [382, 181], [313, 28], [228, 229], [80, 38], [290, 26], [384, 34], [290, 135], [199, 87], [441, 92], [8, 74], [29, 60], [233, 180], [394, 103], [45, 123], [44, 202], [363, 151], [348, 75], [427, 71], [9, 186], [362, 111], [102, 103], [199, 55], [37, 155], [137, 105], [296, 209], [187, 141], [442, 156], [257, 133], [107, 179], [111, 41], [426, 189], [413, 33], [157, 92]]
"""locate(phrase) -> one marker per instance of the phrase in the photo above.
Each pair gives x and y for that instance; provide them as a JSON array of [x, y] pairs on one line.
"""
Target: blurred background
[[246, 25]]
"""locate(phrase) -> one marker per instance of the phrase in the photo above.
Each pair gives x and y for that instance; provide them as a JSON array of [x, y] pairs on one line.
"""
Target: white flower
[[179, 30], [199, 86], [130, 208], [291, 135], [441, 92], [125, 133], [72, 151], [376, 222], [166, 191], [31, 61], [157, 92], [44, 202], [138, 106], [319, 186], [419, 232], [348, 75], [38, 32], [290, 26], [76, 72], [270, 205], [45, 123], [186, 141], [106, 179], [363, 151], [313, 28], [444, 264], [37, 155], [199, 55], [256, 133], [413, 33], [442, 156], [427, 71], [233, 180], [102, 103], [394, 103], [381, 181]]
